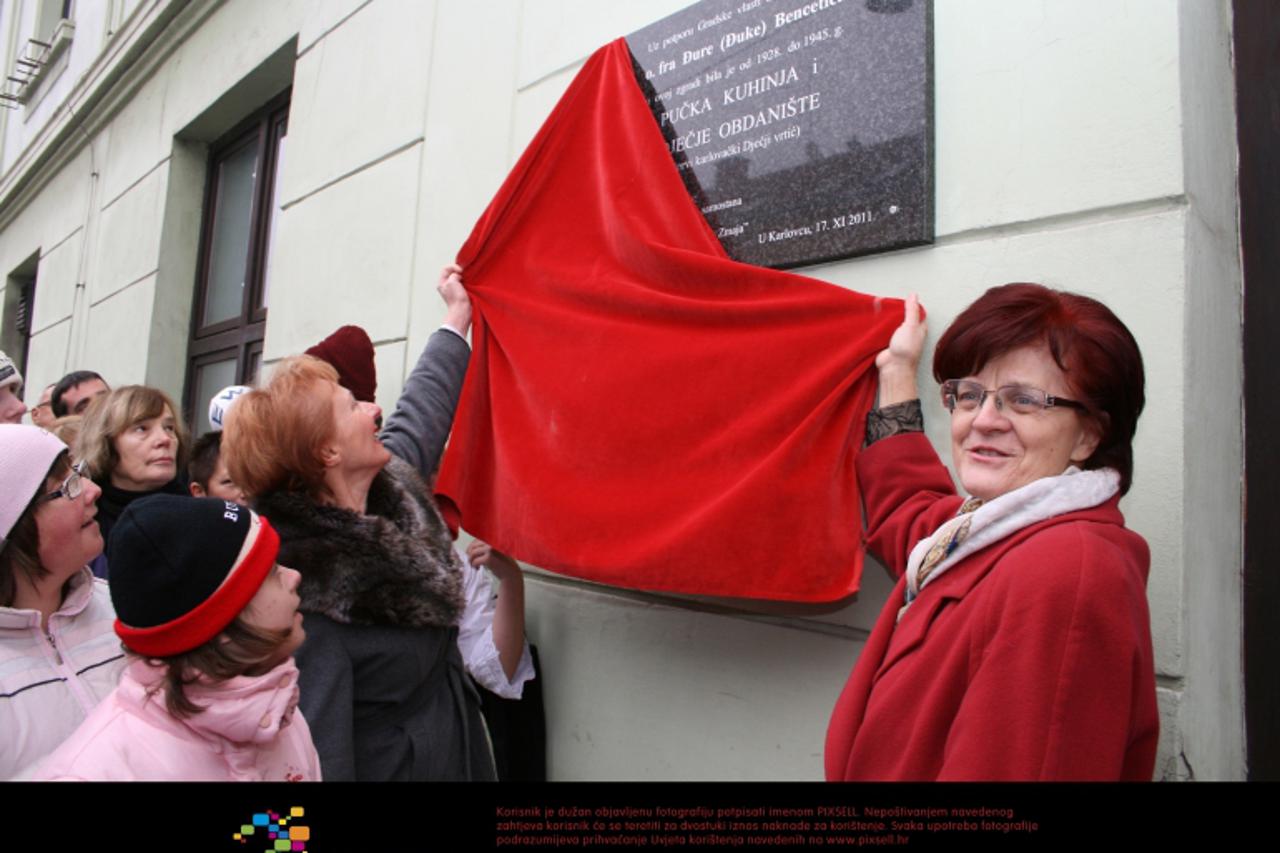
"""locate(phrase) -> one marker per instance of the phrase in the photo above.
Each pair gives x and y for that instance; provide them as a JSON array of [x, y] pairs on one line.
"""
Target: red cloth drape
[[639, 409]]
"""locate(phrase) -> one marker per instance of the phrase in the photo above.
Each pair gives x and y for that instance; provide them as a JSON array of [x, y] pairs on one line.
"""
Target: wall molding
[[132, 55]]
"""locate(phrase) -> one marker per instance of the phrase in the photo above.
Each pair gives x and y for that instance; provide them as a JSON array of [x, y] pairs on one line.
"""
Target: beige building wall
[[1086, 144]]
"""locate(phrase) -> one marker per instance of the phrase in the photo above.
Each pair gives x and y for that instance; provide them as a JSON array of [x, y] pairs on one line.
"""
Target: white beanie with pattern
[[9, 374]]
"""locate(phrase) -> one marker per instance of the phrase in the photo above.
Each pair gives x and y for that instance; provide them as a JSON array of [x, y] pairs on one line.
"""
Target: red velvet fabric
[[640, 410]]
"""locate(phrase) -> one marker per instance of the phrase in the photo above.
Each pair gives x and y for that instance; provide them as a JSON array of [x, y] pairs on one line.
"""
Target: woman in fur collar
[[383, 685]]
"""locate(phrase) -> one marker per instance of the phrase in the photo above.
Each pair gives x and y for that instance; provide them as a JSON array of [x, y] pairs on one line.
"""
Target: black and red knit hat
[[183, 568]]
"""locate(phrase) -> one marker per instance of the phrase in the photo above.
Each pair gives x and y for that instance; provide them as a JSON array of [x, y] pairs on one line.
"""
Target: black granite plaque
[[803, 128]]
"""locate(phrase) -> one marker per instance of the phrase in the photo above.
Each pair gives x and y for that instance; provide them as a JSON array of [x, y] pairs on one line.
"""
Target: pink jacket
[[250, 730]]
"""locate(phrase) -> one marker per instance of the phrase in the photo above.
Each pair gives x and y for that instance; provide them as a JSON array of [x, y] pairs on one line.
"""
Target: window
[[49, 16], [19, 302], [42, 56], [234, 272]]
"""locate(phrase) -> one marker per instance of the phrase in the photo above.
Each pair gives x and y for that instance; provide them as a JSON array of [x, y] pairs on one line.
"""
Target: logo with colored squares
[[277, 832]]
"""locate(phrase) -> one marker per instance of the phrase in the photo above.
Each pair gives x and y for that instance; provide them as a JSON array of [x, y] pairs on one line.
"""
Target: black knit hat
[[183, 568]]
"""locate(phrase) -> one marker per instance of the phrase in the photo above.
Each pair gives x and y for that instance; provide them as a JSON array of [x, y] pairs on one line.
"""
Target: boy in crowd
[[74, 392], [208, 471]]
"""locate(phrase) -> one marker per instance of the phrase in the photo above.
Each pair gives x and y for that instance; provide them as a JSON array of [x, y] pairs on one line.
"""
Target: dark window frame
[[240, 336], [26, 306], [18, 311]]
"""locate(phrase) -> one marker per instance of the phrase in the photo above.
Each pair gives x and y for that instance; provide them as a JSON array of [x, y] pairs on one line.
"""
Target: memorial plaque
[[802, 128]]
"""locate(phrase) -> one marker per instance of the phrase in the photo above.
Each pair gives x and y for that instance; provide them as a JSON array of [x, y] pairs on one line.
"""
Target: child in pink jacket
[[211, 692]]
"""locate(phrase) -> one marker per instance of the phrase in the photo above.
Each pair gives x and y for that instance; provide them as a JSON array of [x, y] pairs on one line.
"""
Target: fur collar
[[394, 566]]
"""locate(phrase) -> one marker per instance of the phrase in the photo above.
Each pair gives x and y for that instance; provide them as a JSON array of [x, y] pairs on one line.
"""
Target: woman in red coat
[[1016, 644]]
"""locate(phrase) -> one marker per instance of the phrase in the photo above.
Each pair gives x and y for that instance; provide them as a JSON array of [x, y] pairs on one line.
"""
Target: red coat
[[1029, 659]]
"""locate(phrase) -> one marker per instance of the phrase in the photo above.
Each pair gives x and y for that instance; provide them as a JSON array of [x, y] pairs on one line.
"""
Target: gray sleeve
[[326, 696], [417, 429]]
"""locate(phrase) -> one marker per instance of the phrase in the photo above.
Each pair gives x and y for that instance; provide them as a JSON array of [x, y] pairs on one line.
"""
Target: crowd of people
[[283, 600], [157, 592]]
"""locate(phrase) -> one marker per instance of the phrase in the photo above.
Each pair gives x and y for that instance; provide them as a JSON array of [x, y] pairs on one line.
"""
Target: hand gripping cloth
[[640, 410]]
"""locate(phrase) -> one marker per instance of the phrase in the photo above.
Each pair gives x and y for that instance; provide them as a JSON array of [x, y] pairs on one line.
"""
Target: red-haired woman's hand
[[457, 302]]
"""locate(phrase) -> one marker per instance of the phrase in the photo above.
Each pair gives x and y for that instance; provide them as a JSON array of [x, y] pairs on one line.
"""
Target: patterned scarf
[[979, 524]]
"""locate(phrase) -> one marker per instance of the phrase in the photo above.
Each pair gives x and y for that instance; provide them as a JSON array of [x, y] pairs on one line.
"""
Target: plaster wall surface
[[136, 141], [561, 34], [324, 16], [129, 242], [451, 199], [58, 267], [1046, 108], [109, 348], [748, 713], [382, 108], [344, 256], [51, 218], [46, 354]]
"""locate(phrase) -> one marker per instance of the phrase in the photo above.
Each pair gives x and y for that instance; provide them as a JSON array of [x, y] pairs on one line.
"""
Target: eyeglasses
[[71, 488], [965, 395]]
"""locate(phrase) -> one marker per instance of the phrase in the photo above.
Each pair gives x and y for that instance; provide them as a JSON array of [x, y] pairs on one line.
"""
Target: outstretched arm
[[508, 615], [416, 431], [904, 485]]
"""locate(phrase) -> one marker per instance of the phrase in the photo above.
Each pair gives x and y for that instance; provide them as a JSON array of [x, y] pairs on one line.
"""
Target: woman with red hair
[[1016, 644], [382, 681]]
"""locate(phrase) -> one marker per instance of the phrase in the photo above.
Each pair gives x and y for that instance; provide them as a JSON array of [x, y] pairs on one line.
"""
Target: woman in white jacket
[[58, 654]]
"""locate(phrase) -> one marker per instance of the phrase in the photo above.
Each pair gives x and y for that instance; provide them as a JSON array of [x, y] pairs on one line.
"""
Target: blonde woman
[[133, 443]]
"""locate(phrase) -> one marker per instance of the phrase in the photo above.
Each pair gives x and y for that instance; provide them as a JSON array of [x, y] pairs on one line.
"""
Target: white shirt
[[475, 636]]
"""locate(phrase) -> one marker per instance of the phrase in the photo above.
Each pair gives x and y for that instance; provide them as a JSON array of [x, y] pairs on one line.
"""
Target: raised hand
[[899, 362], [457, 302], [482, 554]]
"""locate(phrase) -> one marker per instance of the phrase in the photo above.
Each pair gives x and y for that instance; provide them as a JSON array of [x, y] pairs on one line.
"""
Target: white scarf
[[1045, 498]]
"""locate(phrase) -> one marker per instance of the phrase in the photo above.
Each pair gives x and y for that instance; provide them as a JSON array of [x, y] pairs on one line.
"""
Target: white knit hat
[[9, 374], [221, 404], [26, 455]]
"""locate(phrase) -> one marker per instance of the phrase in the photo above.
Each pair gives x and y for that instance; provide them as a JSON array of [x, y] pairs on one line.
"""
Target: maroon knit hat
[[350, 352]]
